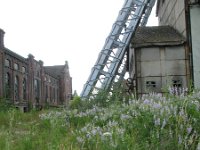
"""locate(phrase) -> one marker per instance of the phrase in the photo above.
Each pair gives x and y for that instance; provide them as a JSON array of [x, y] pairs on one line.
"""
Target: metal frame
[[110, 66]]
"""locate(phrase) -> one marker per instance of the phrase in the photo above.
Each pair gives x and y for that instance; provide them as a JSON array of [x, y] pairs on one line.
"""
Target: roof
[[54, 71], [15, 55], [156, 36]]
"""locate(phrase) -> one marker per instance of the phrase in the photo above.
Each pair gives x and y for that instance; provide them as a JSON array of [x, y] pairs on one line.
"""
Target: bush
[[5, 105]]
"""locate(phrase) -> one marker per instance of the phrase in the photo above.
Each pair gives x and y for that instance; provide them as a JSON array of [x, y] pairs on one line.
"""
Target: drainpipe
[[189, 40]]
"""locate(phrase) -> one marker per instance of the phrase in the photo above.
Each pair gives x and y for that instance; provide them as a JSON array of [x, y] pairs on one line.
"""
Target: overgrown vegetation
[[154, 122], [5, 105]]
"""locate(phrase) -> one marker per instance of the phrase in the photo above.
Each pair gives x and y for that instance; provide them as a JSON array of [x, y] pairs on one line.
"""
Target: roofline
[[144, 45], [15, 55]]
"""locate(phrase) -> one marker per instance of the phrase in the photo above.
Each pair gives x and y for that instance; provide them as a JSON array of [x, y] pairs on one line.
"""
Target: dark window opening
[[150, 84], [37, 90], [24, 89], [7, 85], [38, 74], [16, 88], [51, 94], [46, 93], [176, 83]]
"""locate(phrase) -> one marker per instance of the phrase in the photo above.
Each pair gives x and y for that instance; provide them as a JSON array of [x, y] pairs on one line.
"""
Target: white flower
[[164, 123], [179, 139], [80, 140], [107, 134], [157, 122], [124, 117], [94, 131]]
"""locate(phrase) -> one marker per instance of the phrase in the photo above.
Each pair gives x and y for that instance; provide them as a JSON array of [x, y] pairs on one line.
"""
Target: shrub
[[5, 105]]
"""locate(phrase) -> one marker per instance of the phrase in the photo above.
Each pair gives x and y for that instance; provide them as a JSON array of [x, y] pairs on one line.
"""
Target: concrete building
[[26, 82], [168, 54], [183, 15]]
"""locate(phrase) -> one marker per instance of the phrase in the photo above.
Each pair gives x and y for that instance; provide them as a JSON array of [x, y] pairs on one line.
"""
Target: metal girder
[[110, 66]]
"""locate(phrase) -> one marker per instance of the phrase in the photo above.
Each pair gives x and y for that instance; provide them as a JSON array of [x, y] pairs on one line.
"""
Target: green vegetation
[[154, 122]]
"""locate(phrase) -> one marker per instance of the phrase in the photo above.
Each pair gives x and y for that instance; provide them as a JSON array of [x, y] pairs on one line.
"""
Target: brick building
[[27, 82]]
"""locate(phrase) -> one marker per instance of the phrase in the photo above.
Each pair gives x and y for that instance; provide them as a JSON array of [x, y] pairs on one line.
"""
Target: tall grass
[[153, 122]]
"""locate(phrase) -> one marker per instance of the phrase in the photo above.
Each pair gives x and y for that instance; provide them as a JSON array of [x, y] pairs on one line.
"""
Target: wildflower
[[156, 106], [179, 139], [181, 113], [164, 123], [80, 140], [112, 123], [84, 129], [146, 101], [107, 134], [120, 131], [157, 122], [124, 117], [94, 131], [189, 129], [96, 117]]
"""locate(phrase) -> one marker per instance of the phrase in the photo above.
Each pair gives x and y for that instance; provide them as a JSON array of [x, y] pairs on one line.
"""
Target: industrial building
[[167, 55], [26, 82]]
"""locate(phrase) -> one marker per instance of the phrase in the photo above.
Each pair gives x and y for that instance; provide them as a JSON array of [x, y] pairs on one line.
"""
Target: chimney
[[1, 38]]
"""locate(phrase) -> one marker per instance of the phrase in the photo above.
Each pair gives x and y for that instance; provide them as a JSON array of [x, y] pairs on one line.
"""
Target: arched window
[[7, 85], [23, 69], [7, 63], [37, 90], [24, 89], [54, 95], [16, 66], [16, 88], [47, 94], [50, 94]]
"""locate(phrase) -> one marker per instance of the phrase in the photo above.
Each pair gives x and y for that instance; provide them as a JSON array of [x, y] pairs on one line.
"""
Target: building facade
[[158, 61], [183, 15], [167, 55], [26, 82]]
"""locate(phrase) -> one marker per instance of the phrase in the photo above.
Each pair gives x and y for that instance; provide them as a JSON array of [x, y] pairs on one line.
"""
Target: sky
[[56, 31]]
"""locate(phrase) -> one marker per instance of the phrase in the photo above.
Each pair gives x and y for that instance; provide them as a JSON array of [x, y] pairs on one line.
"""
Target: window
[[23, 69], [150, 84], [7, 85], [177, 83], [16, 88], [38, 74], [37, 90], [51, 94], [24, 89], [7, 63], [46, 93], [54, 95], [16, 66], [176, 88]]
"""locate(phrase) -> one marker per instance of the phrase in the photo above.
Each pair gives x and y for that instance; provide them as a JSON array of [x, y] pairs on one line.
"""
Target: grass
[[154, 122]]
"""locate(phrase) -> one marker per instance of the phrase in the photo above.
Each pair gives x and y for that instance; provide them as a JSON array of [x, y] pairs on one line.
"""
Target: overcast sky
[[56, 31]]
